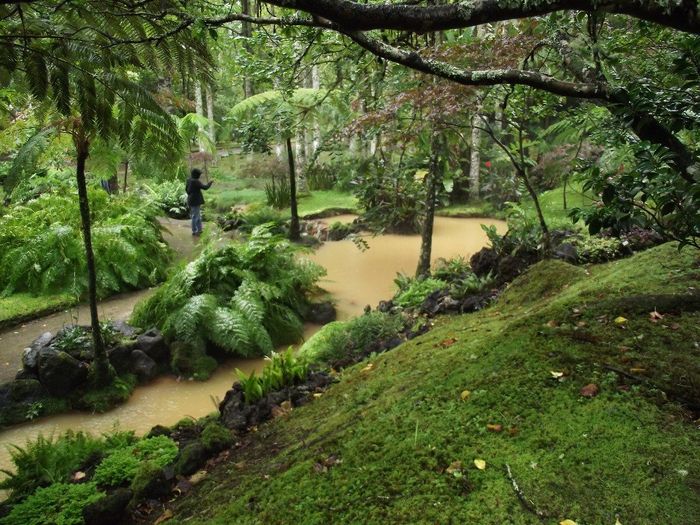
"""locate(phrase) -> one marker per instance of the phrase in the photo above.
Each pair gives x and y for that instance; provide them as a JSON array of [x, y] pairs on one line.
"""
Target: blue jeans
[[196, 214]]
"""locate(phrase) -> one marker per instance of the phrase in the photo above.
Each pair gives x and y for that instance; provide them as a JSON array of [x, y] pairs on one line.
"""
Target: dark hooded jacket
[[194, 189]]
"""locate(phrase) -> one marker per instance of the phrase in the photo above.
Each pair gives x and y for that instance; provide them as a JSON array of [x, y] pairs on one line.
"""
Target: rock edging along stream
[[56, 373]]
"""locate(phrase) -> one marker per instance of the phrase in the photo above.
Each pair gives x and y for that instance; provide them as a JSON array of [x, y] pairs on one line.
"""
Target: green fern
[[245, 298]]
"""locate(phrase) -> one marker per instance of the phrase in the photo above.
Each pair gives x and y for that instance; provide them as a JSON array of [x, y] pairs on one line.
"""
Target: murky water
[[355, 279]]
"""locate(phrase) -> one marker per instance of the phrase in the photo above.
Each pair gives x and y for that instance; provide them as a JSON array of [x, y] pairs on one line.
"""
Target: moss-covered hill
[[395, 440]]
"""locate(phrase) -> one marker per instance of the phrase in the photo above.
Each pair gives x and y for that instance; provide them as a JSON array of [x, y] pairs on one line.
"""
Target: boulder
[[60, 373], [30, 355], [321, 313], [190, 459], [484, 261], [120, 357], [153, 345], [26, 373], [143, 366], [108, 510], [124, 329], [566, 252]]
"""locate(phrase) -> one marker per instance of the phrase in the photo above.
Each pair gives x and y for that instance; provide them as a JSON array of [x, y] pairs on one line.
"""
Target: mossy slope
[[377, 446]]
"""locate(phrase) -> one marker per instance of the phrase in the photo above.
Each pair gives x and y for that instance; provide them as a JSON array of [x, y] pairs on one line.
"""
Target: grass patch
[[318, 201], [552, 204], [22, 307], [378, 446]]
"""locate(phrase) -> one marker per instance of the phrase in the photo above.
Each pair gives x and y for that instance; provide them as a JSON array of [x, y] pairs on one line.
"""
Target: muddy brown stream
[[355, 279]]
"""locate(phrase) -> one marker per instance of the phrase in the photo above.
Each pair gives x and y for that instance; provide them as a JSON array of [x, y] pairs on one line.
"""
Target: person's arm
[[207, 186]]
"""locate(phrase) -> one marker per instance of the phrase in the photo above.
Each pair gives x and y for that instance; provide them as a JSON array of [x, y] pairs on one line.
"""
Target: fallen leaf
[[675, 326], [465, 395], [513, 431], [494, 427], [582, 324], [590, 390], [552, 323], [455, 466], [480, 464], [368, 367], [638, 370], [77, 476], [557, 375], [617, 522], [655, 316], [622, 348], [168, 514], [317, 394], [620, 320], [445, 343], [320, 468], [568, 522]]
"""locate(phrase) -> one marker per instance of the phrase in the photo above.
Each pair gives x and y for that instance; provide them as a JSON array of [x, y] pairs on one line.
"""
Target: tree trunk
[[432, 181], [210, 115], [294, 234], [101, 364], [126, 172], [300, 146], [316, 84], [248, 88], [533, 194], [475, 159]]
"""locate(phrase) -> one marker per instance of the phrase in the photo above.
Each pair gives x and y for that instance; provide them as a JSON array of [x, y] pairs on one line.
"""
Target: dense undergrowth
[[42, 252], [245, 298], [396, 442]]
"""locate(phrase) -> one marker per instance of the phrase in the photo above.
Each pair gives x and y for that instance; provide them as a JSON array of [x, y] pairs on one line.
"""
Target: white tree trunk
[[475, 160], [199, 108], [316, 84], [210, 115]]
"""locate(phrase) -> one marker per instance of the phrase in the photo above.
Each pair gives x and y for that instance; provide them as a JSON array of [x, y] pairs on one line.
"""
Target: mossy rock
[[149, 482], [191, 458], [188, 361], [215, 437]]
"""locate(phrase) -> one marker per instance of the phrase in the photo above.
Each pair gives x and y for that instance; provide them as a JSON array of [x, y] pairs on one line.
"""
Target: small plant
[[284, 369], [121, 465], [170, 196], [278, 193], [48, 460], [412, 292], [469, 285], [596, 249], [320, 177], [34, 410]]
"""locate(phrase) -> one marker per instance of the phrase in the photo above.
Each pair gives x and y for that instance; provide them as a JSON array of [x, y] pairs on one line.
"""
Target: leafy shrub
[[47, 460], [43, 181], [320, 177], [41, 247], [392, 198], [104, 398], [342, 339], [244, 298], [452, 269], [283, 369], [412, 292], [58, 504], [595, 249], [469, 285], [170, 197], [259, 215], [121, 465]]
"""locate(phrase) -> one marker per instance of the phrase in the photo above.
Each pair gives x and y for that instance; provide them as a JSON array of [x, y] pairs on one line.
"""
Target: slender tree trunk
[[432, 180], [294, 234], [248, 88], [101, 364], [210, 115], [126, 172], [533, 194], [475, 159], [316, 84]]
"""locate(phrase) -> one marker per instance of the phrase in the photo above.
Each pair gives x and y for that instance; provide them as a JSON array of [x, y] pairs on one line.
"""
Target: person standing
[[195, 199]]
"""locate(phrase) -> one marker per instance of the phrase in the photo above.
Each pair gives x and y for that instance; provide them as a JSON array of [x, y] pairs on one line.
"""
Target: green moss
[[22, 307], [192, 362], [216, 437], [102, 399], [375, 447], [318, 201], [146, 475], [122, 465]]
